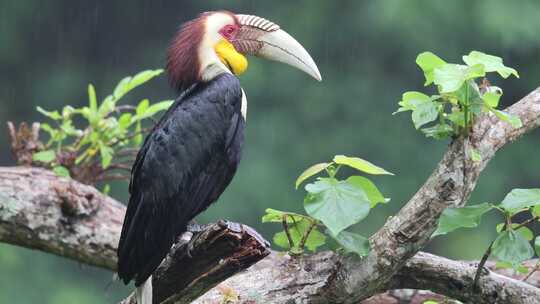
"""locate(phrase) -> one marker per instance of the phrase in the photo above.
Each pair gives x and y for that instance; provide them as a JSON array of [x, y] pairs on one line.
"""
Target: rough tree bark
[[78, 231]]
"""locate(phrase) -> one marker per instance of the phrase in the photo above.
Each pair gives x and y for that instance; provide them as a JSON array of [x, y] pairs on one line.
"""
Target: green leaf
[[537, 245], [491, 99], [374, 195], [513, 120], [106, 153], [309, 172], [536, 211], [337, 204], [475, 155], [107, 106], [503, 265], [54, 115], [137, 139], [129, 83], [92, 98], [276, 216], [490, 63], [431, 302], [525, 232], [61, 171], [412, 99], [424, 113], [153, 109], [142, 107], [522, 269], [353, 242], [450, 77], [519, 199], [297, 231], [106, 189], [439, 131], [46, 156], [465, 217], [428, 62], [125, 120], [360, 165], [512, 247]]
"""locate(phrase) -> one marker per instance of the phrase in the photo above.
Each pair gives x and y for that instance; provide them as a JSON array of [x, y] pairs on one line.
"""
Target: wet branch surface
[[41, 211]]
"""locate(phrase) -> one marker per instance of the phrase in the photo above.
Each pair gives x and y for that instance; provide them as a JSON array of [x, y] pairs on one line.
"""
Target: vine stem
[[306, 235], [481, 265], [286, 228]]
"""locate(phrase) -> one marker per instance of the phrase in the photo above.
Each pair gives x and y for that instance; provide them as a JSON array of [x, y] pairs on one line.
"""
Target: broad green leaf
[[106, 155], [475, 155], [490, 63], [510, 246], [491, 99], [46, 156], [353, 242], [519, 199], [61, 171], [469, 94], [360, 165], [297, 231], [537, 245], [276, 216], [513, 120], [465, 217], [374, 195], [424, 113], [439, 131], [431, 302], [525, 232], [428, 62], [411, 100], [522, 269], [337, 204], [54, 115], [309, 172], [450, 77]]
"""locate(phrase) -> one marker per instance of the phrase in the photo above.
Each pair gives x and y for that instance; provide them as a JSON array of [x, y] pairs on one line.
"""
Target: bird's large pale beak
[[260, 37]]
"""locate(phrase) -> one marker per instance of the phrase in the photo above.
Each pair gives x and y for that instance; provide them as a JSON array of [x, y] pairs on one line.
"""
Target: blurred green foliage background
[[51, 50]]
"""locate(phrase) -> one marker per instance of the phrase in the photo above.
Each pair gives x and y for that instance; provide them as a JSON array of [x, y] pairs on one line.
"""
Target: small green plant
[[82, 142], [331, 204], [513, 243], [463, 93]]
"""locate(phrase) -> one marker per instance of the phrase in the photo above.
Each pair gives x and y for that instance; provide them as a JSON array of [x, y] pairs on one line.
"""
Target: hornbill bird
[[192, 153]]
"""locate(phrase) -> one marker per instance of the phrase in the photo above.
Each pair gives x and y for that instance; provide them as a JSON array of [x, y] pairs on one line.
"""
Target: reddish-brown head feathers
[[182, 56], [183, 62]]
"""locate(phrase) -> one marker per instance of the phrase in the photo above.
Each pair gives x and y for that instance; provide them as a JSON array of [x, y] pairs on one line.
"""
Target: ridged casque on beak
[[263, 38]]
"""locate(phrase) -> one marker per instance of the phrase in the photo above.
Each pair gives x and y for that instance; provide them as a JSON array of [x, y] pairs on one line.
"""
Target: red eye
[[228, 31]]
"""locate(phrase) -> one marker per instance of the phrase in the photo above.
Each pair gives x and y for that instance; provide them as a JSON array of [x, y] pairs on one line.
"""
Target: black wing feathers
[[184, 165]]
